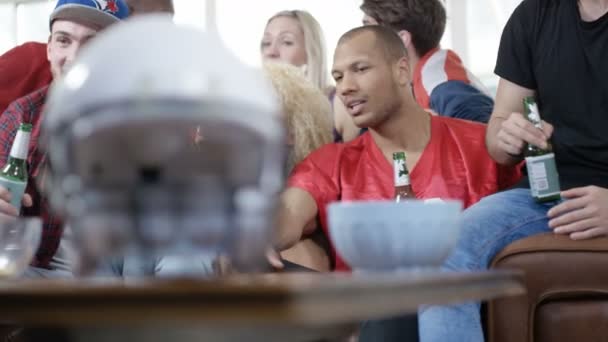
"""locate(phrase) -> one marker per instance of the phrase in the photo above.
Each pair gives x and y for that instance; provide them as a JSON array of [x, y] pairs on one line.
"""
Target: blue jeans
[[133, 267], [487, 227]]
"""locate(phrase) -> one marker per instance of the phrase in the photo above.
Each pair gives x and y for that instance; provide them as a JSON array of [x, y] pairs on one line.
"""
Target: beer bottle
[[403, 189], [540, 163], [13, 175]]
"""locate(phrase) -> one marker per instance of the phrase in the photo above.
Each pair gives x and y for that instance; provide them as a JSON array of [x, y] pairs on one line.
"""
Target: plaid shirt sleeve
[[29, 109], [9, 122]]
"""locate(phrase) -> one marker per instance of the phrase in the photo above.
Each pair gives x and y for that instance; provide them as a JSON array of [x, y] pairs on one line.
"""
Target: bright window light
[[241, 24]]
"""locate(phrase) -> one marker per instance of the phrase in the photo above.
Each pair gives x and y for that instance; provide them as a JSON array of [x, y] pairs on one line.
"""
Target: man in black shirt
[[556, 51]]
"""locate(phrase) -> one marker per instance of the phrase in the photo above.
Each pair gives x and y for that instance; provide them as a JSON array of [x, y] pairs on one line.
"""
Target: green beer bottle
[[403, 188], [14, 174], [540, 163]]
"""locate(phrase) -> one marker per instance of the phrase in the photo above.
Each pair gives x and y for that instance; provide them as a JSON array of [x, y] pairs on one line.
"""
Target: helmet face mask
[[125, 171]]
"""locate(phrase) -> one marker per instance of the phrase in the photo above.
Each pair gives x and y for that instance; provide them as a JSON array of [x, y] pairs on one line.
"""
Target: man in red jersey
[[447, 157]]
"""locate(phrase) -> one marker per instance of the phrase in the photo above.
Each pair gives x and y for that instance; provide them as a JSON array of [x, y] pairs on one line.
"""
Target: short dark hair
[[425, 20], [386, 39]]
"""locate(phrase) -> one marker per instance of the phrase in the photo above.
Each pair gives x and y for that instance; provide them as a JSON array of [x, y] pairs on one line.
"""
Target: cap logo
[[106, 5]]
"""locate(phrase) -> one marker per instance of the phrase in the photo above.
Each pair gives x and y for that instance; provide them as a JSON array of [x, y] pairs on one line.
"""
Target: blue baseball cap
[[95, 13]]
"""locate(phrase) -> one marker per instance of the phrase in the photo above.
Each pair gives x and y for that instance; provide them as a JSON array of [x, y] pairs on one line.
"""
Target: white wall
[[474, 26], [242, 31]]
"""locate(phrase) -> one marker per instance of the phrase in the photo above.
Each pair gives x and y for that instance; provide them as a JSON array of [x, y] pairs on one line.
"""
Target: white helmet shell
[[149, 56], [116, 129]]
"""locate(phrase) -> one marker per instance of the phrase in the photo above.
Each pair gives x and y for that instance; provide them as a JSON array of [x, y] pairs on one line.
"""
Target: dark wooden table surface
[[279, 304]]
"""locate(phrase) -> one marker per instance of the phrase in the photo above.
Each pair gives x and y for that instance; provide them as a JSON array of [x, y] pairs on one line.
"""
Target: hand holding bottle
[[517, 131], [14, 174], [5, 203]]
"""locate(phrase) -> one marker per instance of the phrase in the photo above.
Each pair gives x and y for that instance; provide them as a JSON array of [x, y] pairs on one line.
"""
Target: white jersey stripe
[[433, 72]]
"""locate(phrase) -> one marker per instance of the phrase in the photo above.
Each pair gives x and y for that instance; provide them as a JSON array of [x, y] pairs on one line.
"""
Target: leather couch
[[567, 292]]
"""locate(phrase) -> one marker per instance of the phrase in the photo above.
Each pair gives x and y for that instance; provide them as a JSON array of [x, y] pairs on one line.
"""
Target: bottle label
[[543, 177], [402, 177], [16, 188], [20, 146]]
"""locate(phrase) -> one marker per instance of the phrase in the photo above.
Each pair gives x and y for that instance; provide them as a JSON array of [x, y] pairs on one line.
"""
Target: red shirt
[[24, 69], [454, 165]]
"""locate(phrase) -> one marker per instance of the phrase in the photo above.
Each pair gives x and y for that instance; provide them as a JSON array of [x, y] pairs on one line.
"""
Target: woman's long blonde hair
[[306, 109], [314, 44]]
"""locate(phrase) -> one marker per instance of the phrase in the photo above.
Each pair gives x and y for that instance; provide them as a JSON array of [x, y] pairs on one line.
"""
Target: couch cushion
[[552, 264], [572, 320]]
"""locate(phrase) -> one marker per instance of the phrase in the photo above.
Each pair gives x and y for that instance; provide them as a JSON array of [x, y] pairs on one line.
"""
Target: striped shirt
[[443, 84]]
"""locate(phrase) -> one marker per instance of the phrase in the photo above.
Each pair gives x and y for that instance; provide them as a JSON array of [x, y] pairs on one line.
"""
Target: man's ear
[[403, 71], [406, 38]]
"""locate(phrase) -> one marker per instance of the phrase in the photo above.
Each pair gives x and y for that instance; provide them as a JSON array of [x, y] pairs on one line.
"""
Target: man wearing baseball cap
[[95, 14], [73, 23], [25, 68]]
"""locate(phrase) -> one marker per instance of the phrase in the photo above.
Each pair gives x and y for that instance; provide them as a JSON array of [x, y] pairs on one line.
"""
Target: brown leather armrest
[[550, 242], [556, 267], [555, 262]]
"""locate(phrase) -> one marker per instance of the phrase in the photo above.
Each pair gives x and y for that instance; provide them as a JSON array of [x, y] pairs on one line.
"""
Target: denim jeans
[[133, 267], [487, 227]]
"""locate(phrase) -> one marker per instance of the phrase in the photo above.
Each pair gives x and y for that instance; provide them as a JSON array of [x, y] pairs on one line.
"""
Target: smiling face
[[366, 81], [284, 41], [66, 40]]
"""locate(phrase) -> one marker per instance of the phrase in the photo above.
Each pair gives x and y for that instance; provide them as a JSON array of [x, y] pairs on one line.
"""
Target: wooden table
[[271, 306]]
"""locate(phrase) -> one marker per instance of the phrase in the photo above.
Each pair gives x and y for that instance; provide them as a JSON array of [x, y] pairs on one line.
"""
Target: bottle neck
[[533, 151], [20, 145]]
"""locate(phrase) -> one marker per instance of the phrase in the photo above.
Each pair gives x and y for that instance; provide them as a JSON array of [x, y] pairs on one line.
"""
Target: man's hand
[[274, 258], [6, 209], [584, 215], [516, 131]]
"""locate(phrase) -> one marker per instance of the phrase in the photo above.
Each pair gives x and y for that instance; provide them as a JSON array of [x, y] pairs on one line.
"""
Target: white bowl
[[19, 240], [385, 235]]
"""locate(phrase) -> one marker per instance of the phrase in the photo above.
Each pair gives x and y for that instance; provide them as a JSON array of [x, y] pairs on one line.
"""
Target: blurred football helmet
[[124, 169]]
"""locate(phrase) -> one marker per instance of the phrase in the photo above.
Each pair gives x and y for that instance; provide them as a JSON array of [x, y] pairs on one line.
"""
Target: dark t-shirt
[[546, 46]]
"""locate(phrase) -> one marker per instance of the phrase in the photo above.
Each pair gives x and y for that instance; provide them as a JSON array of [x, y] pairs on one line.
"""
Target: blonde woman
[[307, 111], [295, 37]]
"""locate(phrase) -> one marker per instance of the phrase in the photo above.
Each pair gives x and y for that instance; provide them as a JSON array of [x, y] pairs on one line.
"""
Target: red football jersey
[[454, 165]]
